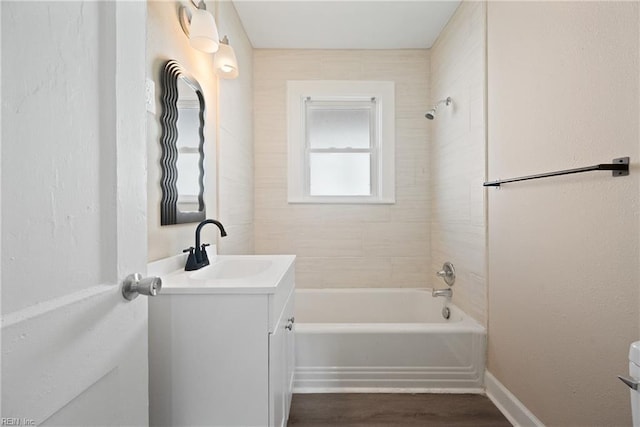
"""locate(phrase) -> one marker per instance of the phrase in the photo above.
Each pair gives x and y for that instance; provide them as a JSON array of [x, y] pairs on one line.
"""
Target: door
[[74, 352]]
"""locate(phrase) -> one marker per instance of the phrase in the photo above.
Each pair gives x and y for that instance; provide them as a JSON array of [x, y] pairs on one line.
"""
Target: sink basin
[[232, 269], [232, 274]]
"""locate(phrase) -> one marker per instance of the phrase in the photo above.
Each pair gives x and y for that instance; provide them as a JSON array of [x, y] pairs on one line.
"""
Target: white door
[[74, 352]]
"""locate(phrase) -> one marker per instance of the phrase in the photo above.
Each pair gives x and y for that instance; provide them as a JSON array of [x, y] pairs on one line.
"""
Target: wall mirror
[[182, 142]]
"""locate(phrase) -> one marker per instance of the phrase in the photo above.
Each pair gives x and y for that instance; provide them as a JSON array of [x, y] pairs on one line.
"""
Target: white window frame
[[382, 143]]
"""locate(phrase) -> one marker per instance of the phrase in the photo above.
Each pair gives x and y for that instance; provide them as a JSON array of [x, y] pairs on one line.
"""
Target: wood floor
[[377, 410]]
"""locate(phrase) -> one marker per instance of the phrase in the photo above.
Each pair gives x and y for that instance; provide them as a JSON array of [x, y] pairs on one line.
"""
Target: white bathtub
[[384, 340]]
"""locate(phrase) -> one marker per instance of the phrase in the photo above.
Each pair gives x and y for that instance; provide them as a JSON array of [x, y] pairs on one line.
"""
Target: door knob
[[134, 285]]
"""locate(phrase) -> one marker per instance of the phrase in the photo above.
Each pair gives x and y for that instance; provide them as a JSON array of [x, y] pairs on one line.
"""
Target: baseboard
[[508, 404], [412, 390]]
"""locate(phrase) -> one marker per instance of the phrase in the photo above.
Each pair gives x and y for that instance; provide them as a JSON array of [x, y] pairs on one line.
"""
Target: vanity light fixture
[[200, 27], [224, 61]]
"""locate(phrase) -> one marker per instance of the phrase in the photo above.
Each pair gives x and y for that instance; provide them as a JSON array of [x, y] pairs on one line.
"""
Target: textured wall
[[345, 245], [228, 162], [458, 151], [563, 252], [235, 141]]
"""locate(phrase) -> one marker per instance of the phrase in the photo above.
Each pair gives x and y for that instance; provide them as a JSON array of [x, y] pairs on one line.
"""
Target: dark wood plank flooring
[[377, 410]]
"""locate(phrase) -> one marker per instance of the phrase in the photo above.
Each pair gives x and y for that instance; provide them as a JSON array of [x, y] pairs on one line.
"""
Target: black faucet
[[198, 256]]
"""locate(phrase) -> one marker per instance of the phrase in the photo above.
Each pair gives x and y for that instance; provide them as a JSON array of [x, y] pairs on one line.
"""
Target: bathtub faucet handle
[[448, 273]]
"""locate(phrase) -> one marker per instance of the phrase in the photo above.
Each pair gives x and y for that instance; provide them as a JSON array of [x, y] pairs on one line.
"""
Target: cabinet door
[[277, 341], [289, 349]]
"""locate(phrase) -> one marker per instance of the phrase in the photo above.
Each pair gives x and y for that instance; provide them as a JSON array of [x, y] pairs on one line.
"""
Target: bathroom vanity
[[221, 344]]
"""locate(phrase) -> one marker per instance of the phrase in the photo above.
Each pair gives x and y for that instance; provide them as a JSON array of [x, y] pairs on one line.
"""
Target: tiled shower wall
[[345, 245], [458, 152]]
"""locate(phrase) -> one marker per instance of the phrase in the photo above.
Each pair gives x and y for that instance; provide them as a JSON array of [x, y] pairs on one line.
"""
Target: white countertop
[[230, 274]]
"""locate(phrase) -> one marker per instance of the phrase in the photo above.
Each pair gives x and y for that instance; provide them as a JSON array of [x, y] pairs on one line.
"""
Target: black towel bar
[[619, 166]]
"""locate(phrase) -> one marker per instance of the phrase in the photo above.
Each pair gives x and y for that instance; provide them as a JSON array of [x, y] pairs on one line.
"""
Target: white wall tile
[[458, 232], [344, 245]]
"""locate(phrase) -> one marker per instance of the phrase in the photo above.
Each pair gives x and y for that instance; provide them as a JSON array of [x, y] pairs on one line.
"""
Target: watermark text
[[14, 421]]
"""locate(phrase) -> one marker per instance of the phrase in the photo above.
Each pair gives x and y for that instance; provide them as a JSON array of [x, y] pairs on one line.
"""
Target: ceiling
[[346, 24]]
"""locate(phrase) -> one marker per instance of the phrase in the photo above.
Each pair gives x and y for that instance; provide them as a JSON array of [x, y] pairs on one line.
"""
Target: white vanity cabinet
[[281, 351], [221, 350]]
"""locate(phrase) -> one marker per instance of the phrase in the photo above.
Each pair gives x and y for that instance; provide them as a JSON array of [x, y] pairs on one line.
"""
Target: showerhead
[[431, 114]]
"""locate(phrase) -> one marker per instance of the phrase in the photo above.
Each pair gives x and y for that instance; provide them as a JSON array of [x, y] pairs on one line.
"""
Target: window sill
[[320, 200]]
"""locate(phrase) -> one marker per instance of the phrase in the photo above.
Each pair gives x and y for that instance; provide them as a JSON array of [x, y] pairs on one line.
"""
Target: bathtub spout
[[442, 293]]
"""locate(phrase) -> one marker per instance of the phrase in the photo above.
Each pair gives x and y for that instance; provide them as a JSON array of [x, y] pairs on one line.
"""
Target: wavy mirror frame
[[169, 212]]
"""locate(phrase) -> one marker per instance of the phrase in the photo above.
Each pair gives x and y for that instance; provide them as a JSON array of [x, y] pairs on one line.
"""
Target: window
[[341, 142]]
